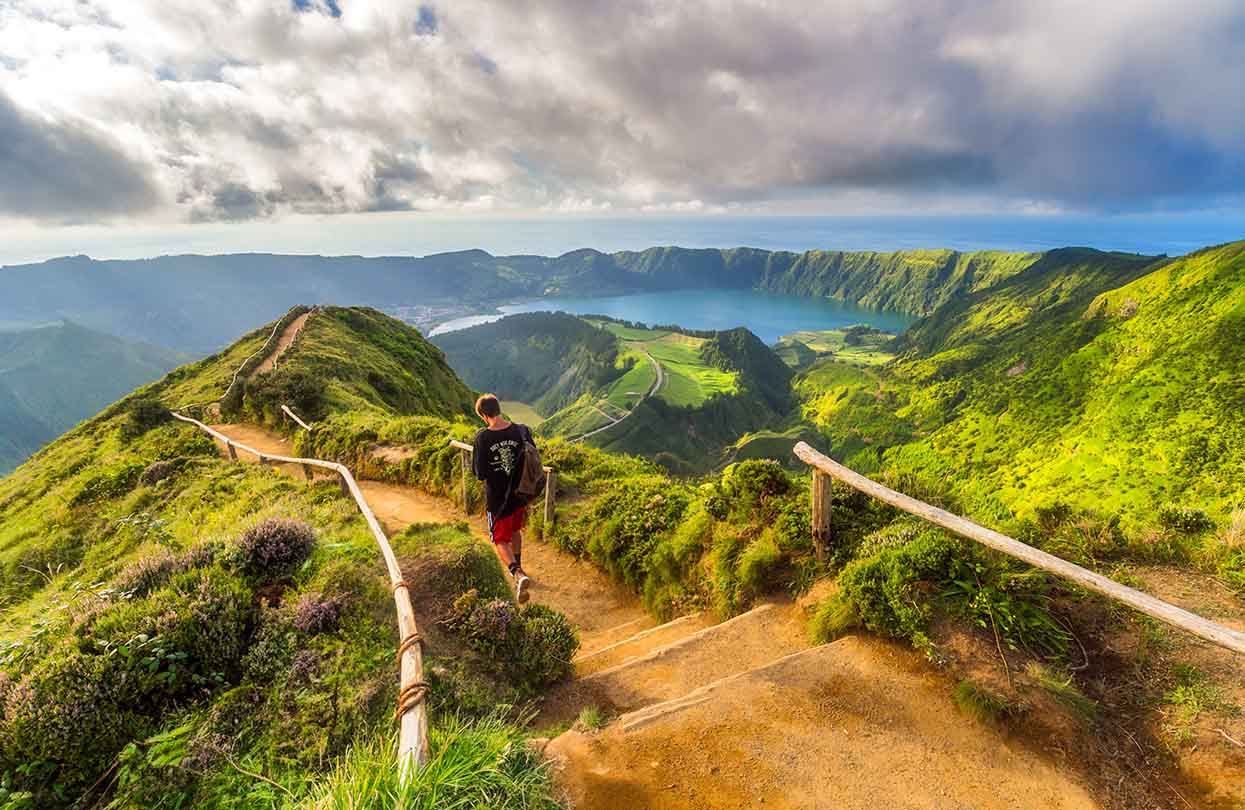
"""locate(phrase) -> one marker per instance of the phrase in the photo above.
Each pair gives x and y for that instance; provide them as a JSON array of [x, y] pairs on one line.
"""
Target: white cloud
[[255, 108]]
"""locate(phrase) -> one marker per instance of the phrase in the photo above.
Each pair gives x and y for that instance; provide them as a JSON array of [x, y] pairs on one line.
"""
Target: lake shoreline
[[771, 316]]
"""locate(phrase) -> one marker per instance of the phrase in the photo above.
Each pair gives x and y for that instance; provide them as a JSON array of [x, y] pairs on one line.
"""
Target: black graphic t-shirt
[[498, 462]]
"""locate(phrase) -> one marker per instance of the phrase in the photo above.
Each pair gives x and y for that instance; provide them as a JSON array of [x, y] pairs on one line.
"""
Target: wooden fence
[[412, 713], [825, 468], [551, 482]]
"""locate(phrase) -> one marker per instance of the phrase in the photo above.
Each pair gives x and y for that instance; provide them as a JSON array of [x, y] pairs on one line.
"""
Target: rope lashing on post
[[411, 696], [409, 642]]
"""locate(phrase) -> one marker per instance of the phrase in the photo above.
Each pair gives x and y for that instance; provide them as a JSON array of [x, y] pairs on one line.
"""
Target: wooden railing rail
[[825, 468], [286, 410], [412, 711], [551, 482]]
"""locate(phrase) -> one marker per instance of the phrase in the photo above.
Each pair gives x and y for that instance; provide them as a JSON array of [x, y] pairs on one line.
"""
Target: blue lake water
[[768, 315]]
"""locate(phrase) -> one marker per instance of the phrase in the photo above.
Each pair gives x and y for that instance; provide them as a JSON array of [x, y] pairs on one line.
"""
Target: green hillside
[[178, 630], [543, 358], [1109, 383], [204, 301], [357, 359], [53, 377], [713, 387]]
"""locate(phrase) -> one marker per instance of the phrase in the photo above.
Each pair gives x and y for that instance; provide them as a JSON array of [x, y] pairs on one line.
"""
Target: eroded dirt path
[[284, 341], [744, 713], [597, 605]]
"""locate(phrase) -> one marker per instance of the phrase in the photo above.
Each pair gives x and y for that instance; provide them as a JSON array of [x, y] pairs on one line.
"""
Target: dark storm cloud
[[65, 171], [1121, 104]]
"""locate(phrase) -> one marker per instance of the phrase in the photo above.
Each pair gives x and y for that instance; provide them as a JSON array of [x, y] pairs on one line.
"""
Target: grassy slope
[[547, 359], [55, 376], [357, 359], [1108, 384], [138, 643], [859, 345]]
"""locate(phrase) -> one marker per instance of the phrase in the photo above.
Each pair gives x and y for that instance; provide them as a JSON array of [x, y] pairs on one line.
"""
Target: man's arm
[[478, 464]]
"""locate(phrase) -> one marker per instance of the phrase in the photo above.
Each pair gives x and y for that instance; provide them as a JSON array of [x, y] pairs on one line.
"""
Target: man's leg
[[505, 553], [516, 545]]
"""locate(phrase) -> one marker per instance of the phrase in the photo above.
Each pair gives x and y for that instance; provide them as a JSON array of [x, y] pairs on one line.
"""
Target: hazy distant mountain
[[199, 303], [53, 377]]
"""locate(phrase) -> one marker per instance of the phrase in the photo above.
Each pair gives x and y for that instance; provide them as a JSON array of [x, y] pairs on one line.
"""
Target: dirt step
[[613, 635], [641, 643], [762, 634], [854, 724]]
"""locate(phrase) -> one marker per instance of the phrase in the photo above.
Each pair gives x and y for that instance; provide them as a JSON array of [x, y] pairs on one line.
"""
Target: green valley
[[53, 377]]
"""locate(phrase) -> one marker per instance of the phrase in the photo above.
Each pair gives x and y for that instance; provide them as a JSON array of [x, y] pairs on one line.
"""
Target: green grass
[[521, 412], [868, 350], [473, 765]]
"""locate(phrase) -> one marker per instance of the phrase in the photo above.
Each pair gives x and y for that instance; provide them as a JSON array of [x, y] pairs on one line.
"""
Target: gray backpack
[[532, 479]]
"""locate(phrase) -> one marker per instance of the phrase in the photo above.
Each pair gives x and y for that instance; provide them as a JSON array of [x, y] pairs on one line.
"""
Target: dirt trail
[[594, 602], [854, 724], [744, 713], [283, 342]]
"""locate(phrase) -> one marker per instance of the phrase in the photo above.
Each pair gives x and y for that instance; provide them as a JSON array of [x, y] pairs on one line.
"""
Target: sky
[[169, 122]]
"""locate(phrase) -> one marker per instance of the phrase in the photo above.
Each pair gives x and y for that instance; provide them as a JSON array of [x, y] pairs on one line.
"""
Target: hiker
[[497, 460]]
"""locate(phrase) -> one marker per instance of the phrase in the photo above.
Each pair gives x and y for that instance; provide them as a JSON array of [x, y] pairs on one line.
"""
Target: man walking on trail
[[497, 460]]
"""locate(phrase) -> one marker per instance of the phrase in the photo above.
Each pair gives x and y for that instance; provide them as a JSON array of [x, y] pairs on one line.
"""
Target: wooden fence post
[[823, 504], [551, 484], [307, 473], [466, 463], [233, 454], [341, 479]]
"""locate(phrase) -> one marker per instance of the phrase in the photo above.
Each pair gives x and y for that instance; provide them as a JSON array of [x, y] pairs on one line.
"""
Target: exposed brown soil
[[855, 724], [284, 341]]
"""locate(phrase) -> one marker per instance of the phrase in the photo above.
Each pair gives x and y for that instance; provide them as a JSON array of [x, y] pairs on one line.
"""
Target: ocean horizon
[[421, 235]]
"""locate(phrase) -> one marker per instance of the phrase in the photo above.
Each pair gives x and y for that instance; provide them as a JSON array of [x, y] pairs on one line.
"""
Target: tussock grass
[[1061, 687], [474, 765], [981, 704]]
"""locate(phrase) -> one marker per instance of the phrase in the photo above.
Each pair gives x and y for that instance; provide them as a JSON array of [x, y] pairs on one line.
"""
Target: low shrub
[[275, 548], [152, 571], [316, 613], [1186, 520], [625, 525], [142, 415], [895, 590], [271, 650], [441, 562], [74, 711], [156, 472], [532, 646]]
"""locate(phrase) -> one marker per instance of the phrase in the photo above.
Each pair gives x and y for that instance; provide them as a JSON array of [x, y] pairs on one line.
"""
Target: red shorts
[[503, 530]]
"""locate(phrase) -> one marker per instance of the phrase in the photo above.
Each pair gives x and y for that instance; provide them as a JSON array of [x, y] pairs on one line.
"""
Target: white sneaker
[[521, 584]]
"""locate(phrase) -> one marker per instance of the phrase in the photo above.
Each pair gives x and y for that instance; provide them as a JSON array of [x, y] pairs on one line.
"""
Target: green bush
[[142, 415], [441, 562], [69, 716], [674, 581], [532, 646], [275, 548], [895, 590], [624, 526], [108, 483], [1186, 520]]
